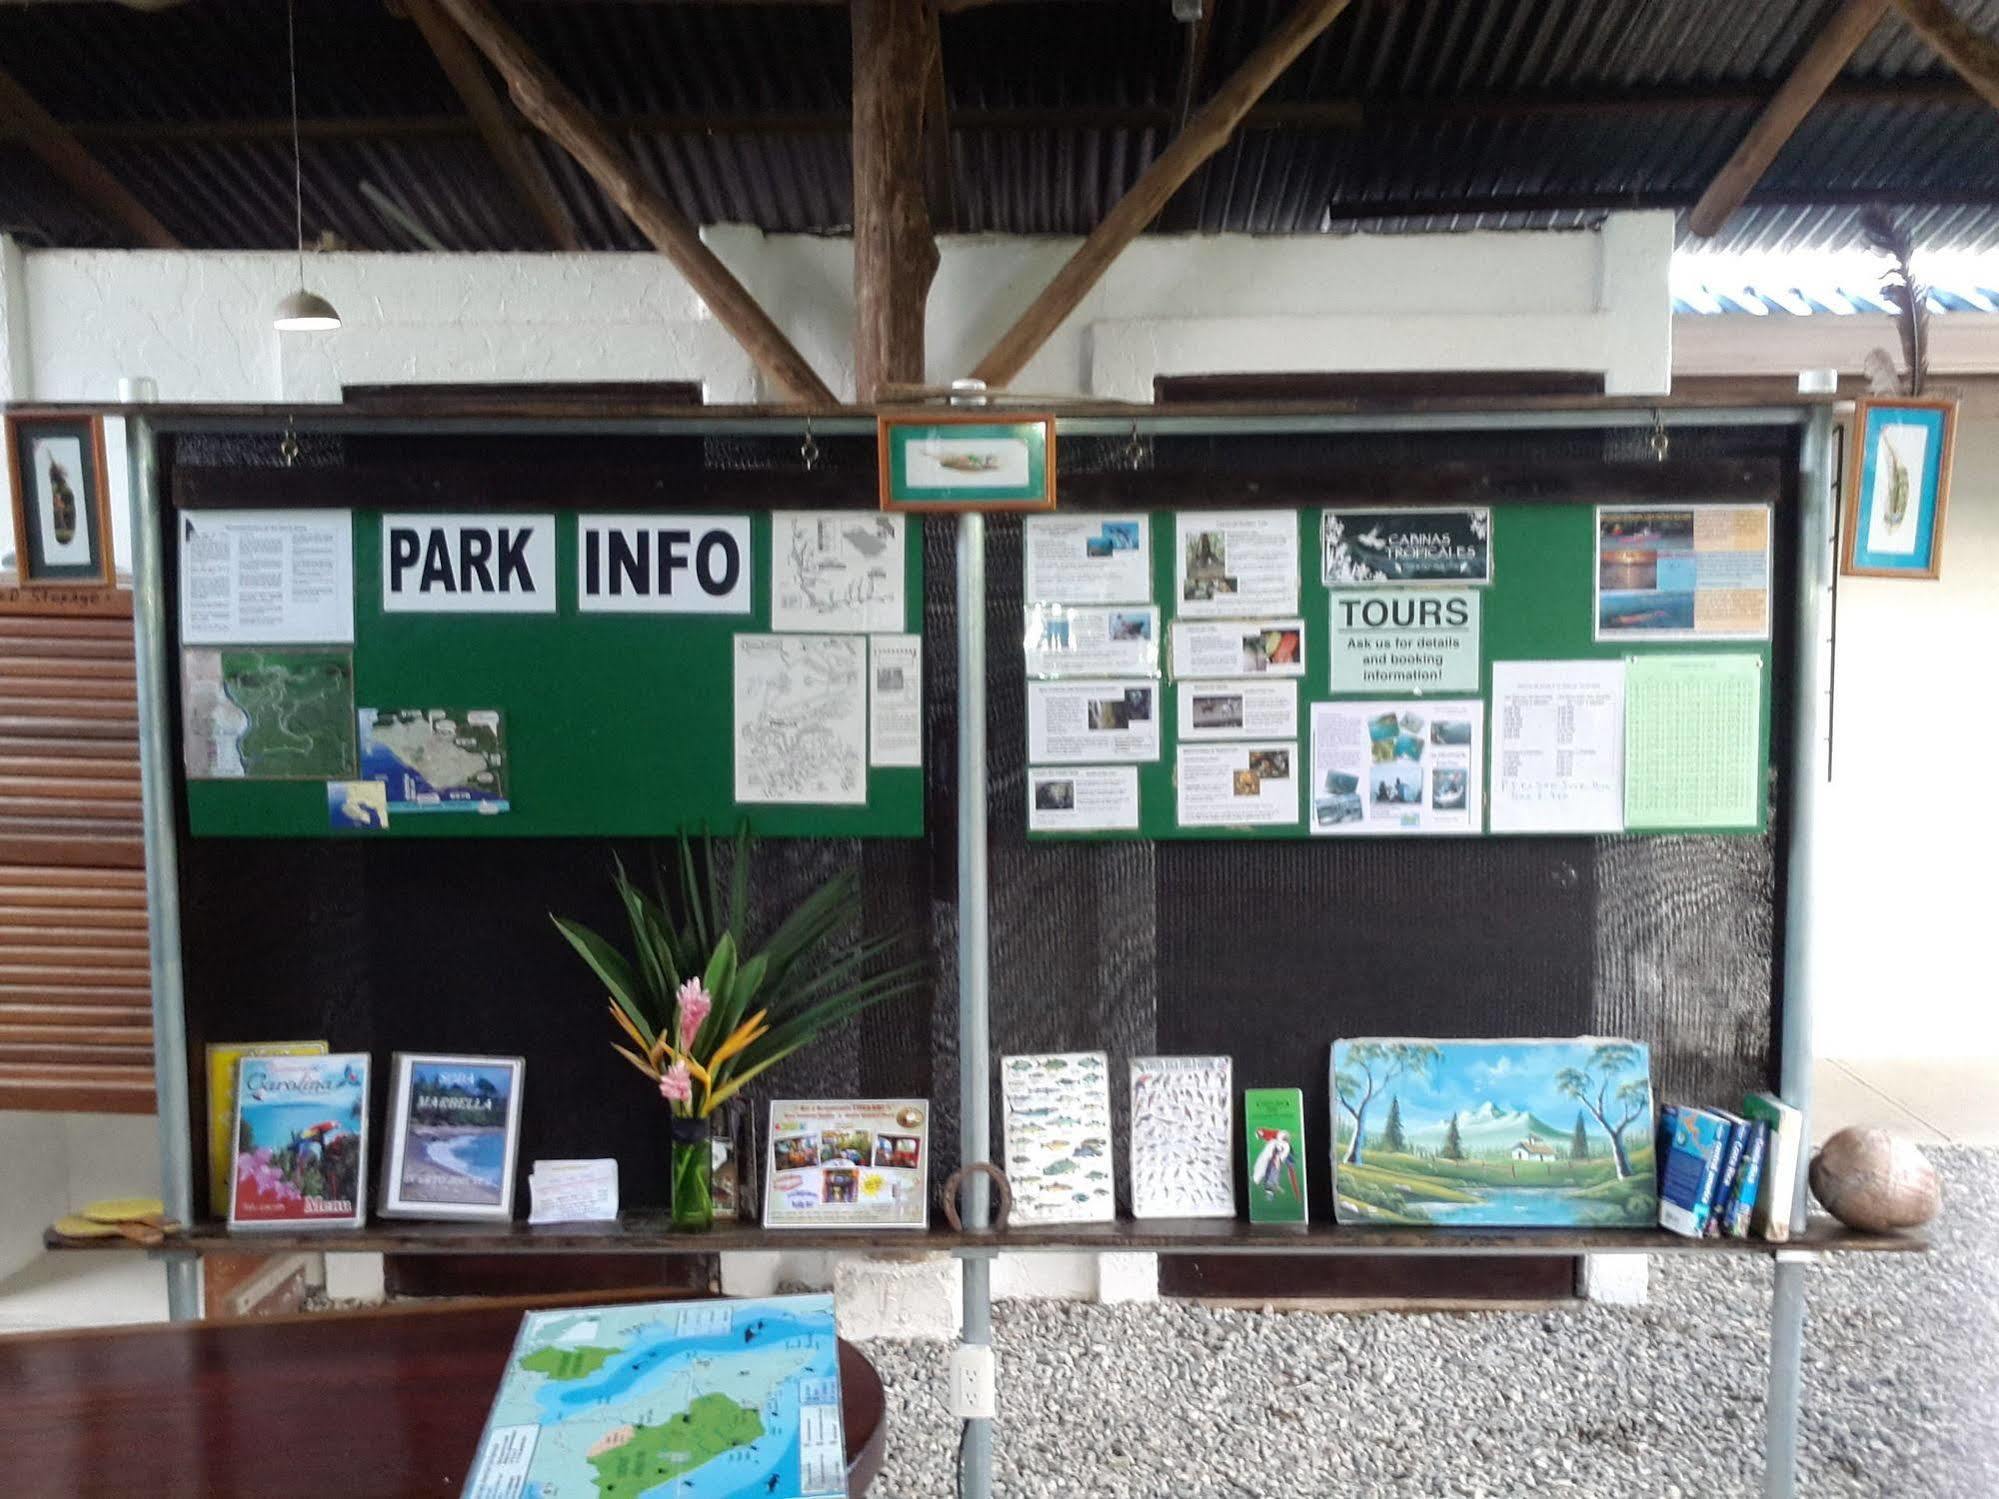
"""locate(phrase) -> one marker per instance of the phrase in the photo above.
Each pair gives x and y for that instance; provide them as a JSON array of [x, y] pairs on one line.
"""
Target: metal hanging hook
[[1134, 450], [288, 443], [808, 448], [1661, 442]]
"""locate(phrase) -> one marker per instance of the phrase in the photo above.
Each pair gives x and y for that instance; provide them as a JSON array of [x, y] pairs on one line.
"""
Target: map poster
[[254, 714], [848, 1163], [802, 719], [836, 570], [436, 759], [692, 1399]]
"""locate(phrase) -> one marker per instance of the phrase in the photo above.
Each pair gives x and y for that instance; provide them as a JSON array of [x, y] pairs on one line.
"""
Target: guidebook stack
[[1727, 1175]]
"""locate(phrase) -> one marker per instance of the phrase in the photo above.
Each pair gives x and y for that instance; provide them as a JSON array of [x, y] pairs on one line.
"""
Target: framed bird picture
[[1897, 481], [56, 478]]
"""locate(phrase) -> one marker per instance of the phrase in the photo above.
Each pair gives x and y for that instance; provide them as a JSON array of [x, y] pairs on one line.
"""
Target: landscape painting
[[1516, 1133]]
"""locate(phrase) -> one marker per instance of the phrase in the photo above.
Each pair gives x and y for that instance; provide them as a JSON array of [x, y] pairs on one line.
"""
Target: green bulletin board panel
[[1540, 606], [617, 725]]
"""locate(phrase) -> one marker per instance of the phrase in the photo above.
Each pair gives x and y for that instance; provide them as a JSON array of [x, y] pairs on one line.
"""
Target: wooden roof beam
[[1830, 51], [1206, 133], [516, 158], [65, 156], [1975, 57], [895, 253], [549, 105]]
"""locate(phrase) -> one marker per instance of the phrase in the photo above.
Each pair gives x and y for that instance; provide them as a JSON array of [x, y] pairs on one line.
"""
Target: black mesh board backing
[[1265, 951]]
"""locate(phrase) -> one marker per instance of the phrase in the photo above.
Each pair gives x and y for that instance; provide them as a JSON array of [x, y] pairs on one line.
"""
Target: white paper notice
[[1238, 648], [1084, 723], [1397, 767], [802, 719], [895, 700], [1238, 785], [1088, 559], [1235, 562], [1558, 747], [836, 570], [573, 1191], [1083, 799], [1237, 710], [266, 577], [1065, 642]]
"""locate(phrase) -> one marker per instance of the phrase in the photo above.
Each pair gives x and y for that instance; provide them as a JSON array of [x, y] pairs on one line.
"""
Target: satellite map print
[[267, 714]]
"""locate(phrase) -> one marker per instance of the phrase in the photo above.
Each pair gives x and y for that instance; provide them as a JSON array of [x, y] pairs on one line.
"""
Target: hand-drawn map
[[836, 570], [802, 719], [675, 1399], [258, 714]]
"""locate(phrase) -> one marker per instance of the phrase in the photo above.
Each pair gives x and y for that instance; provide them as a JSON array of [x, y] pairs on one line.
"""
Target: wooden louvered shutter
[[75, 980]]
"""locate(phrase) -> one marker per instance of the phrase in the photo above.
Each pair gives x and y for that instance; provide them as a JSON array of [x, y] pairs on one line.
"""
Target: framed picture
[[62, 518], [949, 462], [1897, 481], [454, 1134]]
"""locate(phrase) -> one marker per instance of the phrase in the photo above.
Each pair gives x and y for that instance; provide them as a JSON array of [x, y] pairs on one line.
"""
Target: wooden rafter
[[1830, 50], [1976, 57], [494, 122], [895, 254], [67, 158], [549, 105], [1206, 133]]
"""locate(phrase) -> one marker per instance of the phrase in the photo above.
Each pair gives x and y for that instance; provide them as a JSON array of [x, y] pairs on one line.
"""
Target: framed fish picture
[[454, 1135], [1897, 483], [951, 462]]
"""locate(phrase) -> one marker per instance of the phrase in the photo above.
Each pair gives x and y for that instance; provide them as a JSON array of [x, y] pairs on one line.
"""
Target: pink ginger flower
[[675, 1086], [693, 1007]]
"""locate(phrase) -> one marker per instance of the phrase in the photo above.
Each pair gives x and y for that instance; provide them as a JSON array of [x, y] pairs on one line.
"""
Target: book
[[700, 1399], [1182, 1129], [1695, 1140], [1748, 1182], [1771, 1219], [1731, 1162], [1056, 1110], [848, 1163], [301, 1142], [222, 1057], [1273, 1142], [454, 1134]]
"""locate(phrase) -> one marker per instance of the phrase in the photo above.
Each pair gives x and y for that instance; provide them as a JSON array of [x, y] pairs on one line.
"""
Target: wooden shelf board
[[652, 1234]]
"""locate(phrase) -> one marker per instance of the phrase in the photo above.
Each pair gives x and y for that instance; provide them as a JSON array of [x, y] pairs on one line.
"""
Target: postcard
[[848, 1163], [1416, 544], [1087, 722], [1266, 709], [301, 1142], [454, 1135], [1388, 767], [1182, 1126], [1057, 1117], [1238, 785], [1088, 559], [1083, 799], [1235, 563], [1238, 648], [1693, 572], [1062, 641]]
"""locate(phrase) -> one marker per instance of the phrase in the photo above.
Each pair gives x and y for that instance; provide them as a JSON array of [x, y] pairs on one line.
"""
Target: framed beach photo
[[948, 463], [454, 1136], [1897, 481], [62, 519]]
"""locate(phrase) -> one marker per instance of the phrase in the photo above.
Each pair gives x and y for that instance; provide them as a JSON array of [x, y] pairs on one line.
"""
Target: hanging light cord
[[298, 168]]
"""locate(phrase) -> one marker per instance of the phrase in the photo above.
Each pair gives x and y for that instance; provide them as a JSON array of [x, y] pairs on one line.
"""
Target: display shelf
[[654, 1234]]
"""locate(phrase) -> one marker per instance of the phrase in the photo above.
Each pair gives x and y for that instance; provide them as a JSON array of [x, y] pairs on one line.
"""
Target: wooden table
[[388, 1401]]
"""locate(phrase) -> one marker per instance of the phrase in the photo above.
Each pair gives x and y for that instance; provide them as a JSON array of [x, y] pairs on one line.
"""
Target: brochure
[[454, 1130], [848, 1163], [301, 1142]]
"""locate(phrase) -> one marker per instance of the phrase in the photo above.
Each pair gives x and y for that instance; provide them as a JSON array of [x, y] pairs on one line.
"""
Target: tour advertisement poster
[[1088, 559], [1235, 563], [1083, 799], [1695, 572], [1405, 640], [1413, 545], [1237, 710], [1087, 723], [436, 759], [1239, 648], [1397, 767], [844, 1162], [454, 1127], [1238, 785], [1065, 641]]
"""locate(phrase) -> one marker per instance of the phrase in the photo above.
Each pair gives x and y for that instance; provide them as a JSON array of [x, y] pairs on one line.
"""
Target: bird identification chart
[[1182, 1165]]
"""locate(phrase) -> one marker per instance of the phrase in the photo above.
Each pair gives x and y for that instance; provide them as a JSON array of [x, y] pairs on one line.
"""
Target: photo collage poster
[[854, 1163]]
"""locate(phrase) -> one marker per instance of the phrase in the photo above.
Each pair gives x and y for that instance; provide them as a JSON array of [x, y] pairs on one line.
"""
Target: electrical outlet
[[974, 1390]]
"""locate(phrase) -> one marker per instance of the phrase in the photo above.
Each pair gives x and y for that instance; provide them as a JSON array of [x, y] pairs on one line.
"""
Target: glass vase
[[693, 1169]]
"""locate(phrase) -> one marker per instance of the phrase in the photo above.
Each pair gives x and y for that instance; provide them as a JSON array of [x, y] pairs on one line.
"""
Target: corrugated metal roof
[[1407, 114]]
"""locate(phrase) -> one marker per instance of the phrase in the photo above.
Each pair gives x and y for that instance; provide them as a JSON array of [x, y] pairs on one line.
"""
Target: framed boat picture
[[1897, 482], [952, 462], [454, 1135], [56, 481]]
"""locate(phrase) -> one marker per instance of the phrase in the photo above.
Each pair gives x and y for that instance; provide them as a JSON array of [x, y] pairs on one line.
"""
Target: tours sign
[[1416, 640]]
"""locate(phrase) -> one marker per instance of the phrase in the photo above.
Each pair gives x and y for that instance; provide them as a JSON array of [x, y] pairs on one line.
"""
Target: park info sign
[[967, 461]]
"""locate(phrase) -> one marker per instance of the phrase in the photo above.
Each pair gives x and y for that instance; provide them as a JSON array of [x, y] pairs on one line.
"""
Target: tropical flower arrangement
[[705, 1015]]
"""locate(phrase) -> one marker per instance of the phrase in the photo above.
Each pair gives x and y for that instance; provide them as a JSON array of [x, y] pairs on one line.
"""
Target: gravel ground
[[1175, 1401]]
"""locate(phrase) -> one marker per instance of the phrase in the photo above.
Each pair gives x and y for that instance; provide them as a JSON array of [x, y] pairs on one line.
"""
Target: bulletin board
[[1539, 606], [616, 725]]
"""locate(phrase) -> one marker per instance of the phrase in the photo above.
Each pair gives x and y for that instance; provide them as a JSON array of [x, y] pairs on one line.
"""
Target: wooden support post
[[493, 120], [1206, 133], [67, 158], [552, 108], [895, 255], [1814, 74], [940, 185], [1975, 57]]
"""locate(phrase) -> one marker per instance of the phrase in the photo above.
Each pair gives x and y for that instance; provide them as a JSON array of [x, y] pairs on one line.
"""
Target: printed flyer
[[1239, 648], [1085, 723], [1558, 746], [1237, 710], [1407, 546], [1061, 641], [848, 1163], [301, 1142], [1088, 559], [1235, 563], [1397, 767], [1697, 572], [1083, 799], [1238, 785]]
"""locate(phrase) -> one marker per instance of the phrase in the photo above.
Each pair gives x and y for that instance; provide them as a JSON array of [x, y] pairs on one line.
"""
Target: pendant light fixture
[[302, 311]]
